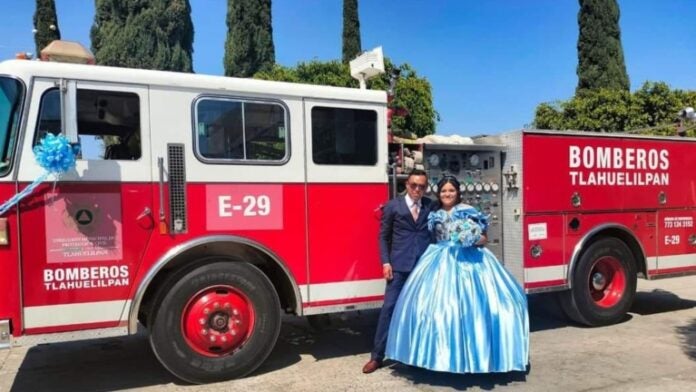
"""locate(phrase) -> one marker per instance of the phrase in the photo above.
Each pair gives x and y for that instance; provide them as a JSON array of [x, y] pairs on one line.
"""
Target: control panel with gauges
[[478, 170]]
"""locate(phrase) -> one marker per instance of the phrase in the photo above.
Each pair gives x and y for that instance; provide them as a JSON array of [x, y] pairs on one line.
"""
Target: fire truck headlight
[[535, 251]]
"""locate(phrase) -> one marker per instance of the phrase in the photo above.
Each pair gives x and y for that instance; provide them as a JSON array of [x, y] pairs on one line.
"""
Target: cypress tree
[[45, 24], [249, 45], [351, 30], [600, 54], [149, 34]]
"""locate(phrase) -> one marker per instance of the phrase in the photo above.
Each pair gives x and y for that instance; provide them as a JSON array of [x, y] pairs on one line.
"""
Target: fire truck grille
[[177, 188]]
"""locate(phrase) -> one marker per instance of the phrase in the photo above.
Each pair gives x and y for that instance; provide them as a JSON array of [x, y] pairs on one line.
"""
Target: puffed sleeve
[[435, 217]]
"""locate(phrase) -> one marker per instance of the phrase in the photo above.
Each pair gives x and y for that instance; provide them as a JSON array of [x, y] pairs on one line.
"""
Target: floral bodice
[[462, 225]]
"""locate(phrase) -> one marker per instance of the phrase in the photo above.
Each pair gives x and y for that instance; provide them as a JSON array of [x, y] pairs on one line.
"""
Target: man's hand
[[387, 271]]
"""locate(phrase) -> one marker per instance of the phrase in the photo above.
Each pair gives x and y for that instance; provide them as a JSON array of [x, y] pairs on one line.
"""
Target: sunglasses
[[417, 186]]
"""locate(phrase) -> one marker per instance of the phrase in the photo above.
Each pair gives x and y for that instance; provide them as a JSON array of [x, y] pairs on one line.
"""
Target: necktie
[[414, 211]]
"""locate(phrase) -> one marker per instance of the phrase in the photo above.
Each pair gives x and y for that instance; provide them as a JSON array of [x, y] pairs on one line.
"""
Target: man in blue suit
[[403, 237]]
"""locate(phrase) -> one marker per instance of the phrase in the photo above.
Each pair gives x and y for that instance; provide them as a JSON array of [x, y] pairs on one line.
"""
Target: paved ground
[[654, 348]]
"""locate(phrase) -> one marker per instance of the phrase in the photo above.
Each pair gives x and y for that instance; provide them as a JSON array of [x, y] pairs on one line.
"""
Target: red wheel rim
[[607, 281], [217, 321]]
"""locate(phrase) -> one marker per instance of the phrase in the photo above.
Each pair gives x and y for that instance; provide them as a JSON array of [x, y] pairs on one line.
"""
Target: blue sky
[[489, 62]]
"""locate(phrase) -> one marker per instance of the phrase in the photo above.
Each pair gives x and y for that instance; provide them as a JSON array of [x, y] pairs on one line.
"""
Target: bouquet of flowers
[[465, 231], [464, 226]]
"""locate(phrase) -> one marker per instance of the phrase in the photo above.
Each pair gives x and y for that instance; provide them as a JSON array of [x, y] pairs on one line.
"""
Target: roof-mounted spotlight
[[367, 65]]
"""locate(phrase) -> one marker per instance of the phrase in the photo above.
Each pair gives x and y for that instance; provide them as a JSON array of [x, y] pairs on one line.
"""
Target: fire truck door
[[11, 95], [346, 157], [83, 236]]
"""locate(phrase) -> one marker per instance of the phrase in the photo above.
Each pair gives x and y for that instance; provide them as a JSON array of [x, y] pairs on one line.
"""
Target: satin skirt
[[460, 311]]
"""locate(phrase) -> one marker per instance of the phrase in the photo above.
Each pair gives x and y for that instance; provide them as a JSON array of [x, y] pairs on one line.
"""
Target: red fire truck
[[203, 207]]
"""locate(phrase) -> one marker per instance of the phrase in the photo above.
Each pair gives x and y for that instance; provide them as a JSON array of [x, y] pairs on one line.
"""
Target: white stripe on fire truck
[[342, 290], [544, 274], [673, 261], [652, 263], [82, 313]]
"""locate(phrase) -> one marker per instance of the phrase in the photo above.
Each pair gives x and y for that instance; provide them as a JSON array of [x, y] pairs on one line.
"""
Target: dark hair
[[416, 172], [449, 180]]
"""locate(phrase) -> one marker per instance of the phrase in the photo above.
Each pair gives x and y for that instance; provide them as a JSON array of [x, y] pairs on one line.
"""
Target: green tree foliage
[[249, 45], [413, 93], [600, 54], [351, 30], [150, 34], [45, 24], [653, 109]]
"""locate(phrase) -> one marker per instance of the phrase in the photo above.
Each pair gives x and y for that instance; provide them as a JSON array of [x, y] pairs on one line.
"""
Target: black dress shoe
[[371, 366]]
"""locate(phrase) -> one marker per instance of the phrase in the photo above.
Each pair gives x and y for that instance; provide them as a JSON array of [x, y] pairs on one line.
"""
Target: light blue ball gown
[[460, 310]]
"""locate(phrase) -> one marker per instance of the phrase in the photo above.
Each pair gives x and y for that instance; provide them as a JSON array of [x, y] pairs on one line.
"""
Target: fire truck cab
[[199, 206]]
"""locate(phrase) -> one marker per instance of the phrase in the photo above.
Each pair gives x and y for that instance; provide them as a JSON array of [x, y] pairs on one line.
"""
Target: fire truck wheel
[[603, 284], [218, 322]]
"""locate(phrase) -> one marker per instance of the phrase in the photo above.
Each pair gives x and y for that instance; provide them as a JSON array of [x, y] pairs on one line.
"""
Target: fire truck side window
[[240, 130], [11, 93], [108, 123], [344, 136]]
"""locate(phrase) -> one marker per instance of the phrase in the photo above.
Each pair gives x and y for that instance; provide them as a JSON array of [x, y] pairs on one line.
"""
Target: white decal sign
[[59, 279], [244, 207], [678, 222], [537, 231], [83, 227], [617, 166]]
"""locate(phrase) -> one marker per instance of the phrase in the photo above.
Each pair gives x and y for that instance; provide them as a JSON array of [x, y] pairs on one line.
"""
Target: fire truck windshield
[[11, 92]]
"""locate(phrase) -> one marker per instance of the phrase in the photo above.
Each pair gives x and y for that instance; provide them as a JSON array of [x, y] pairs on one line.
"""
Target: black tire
[[190, 363], [597, 297]]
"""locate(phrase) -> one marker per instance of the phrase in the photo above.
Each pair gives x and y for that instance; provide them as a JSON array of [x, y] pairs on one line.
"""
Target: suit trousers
[[391, 294]]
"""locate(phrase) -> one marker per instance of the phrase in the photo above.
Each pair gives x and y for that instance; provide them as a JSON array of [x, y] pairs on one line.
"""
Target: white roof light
[[67, 52], [367, 65]]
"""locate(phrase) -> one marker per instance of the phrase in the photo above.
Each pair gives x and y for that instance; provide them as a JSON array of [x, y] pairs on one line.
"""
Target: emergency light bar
[[67, 52]]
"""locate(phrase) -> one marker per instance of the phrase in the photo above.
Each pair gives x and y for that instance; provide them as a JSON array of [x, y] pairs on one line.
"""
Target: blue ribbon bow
[[55, 155]]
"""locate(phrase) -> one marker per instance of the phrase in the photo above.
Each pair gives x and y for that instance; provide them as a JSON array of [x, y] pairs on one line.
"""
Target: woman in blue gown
[[460, 310]]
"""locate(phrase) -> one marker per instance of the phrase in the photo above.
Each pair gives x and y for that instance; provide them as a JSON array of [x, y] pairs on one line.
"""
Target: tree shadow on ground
[[687, 338], [662, 301]]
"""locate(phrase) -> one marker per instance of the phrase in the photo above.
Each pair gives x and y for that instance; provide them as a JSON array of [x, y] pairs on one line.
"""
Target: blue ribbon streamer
[[55, 155]]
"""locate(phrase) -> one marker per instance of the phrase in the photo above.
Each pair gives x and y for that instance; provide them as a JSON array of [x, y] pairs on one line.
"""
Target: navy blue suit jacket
[[401, 240]]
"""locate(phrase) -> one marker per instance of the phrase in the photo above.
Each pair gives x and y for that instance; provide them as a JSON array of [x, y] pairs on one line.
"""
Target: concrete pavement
[[654, 348]]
